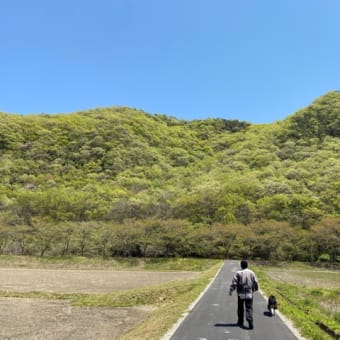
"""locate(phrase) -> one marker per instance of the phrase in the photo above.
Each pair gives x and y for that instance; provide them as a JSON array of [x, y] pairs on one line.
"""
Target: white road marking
[[173, 329]]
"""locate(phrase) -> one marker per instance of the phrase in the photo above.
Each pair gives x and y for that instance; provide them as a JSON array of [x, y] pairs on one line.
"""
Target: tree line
[[267, 240]]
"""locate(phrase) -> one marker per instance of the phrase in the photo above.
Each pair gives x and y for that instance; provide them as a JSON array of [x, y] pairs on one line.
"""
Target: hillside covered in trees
[[119, 181]]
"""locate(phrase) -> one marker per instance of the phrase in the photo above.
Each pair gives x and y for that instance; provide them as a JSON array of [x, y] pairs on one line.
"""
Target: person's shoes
[[251, 325], [239, 323]]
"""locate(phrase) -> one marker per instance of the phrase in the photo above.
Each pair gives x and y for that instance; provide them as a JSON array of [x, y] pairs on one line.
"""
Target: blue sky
[[252, 60]]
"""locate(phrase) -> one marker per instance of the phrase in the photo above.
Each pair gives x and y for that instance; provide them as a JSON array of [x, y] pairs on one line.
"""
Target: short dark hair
[[244, 264]]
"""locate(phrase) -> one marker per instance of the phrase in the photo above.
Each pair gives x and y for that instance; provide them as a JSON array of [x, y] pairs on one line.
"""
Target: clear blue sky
[[253, 60]]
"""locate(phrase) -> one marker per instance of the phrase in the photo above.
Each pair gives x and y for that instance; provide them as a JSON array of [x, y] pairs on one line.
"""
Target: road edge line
[[173, 329], [285, 320]]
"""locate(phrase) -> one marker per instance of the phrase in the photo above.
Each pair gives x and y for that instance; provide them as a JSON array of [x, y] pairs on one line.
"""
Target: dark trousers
[[248, 304]]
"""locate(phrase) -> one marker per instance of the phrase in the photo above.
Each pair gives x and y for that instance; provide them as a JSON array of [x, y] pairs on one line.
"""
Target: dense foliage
[[122, 171]]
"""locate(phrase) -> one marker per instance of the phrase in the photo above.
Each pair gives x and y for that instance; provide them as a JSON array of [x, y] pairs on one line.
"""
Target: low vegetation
[[115, 263], [308, 296]]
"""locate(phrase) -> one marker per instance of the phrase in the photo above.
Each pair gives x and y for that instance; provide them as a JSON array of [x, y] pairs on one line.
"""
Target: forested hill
[[118, 162], [114, 164]]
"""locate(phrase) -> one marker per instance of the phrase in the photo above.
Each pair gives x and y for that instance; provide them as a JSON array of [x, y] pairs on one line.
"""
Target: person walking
[[245, 283]]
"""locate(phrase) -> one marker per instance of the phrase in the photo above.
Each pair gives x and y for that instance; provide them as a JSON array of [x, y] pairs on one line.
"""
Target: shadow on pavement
[[228, 325], [269, 314]]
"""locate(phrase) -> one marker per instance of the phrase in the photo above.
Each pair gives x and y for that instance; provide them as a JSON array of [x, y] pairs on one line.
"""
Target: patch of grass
[[68, 262], [178, 264], [306, 306], [110, 263], [39, 295]]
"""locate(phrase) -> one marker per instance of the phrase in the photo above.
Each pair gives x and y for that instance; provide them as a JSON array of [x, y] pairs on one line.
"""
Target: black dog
[[272, 304]]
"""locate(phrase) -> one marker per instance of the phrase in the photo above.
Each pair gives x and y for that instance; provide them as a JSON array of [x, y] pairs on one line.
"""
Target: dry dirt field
[[22, 318], [82, 281], [309, 278]]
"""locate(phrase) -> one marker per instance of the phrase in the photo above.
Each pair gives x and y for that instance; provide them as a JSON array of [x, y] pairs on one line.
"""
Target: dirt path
[[35, 319]]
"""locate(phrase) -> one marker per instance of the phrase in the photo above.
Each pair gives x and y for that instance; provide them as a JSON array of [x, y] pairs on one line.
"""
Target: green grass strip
[[303, 306]]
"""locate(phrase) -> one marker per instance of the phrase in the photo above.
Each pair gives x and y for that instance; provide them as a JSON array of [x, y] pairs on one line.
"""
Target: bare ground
[[82, 281], [23, 318], [308, 278]]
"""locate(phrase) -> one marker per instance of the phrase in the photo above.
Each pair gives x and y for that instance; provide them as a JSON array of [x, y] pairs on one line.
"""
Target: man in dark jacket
[[245, 283]]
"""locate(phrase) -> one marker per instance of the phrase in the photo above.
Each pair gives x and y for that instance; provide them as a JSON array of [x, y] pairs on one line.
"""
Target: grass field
[[308, 296]]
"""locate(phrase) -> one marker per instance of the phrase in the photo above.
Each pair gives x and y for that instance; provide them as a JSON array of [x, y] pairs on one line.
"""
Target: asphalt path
[[214, 315]]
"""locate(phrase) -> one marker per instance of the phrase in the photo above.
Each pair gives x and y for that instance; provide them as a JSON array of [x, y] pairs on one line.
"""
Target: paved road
[[214, 316]]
